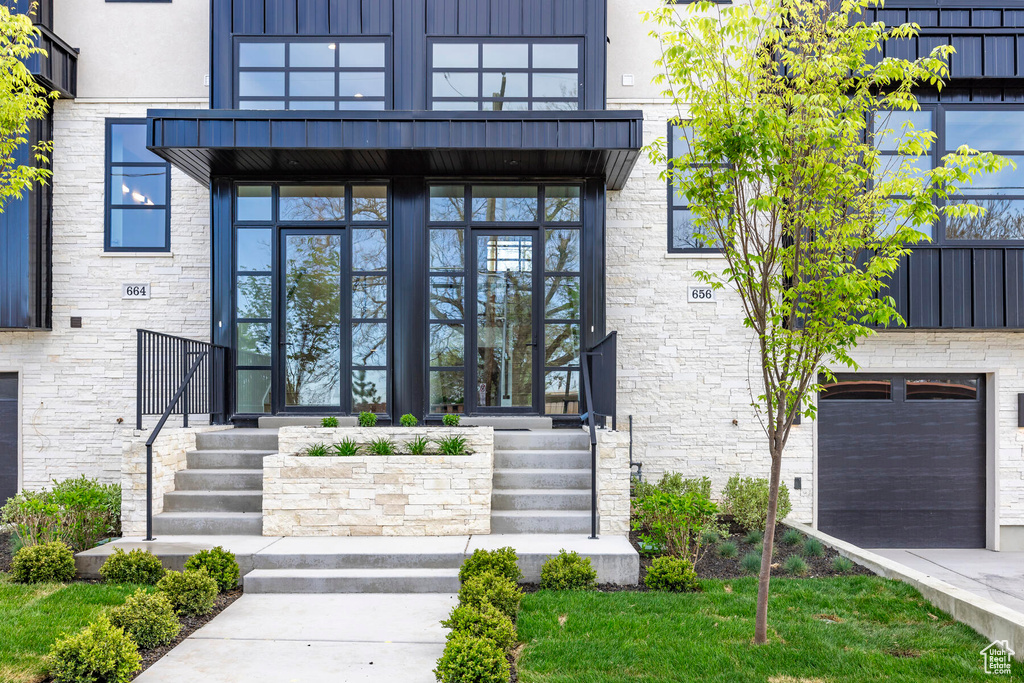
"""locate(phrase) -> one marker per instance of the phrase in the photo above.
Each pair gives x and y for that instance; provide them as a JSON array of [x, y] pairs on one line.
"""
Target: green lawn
[[32, 617], [849, 629]]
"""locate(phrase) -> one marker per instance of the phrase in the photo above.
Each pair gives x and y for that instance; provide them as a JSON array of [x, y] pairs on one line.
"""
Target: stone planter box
[[375, 495]]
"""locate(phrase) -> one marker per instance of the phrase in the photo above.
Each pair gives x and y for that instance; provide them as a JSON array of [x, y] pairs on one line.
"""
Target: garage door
[[901, 460], [8, 435]]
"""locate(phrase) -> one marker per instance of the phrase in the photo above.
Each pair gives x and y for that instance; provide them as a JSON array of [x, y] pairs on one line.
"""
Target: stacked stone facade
[[77, 385]]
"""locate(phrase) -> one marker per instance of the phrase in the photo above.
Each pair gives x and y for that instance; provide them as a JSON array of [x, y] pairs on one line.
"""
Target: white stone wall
[[372, 495], [613, 482], [78, 385], [169, 457]]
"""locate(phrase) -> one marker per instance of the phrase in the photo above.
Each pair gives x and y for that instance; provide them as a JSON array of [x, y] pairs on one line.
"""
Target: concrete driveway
[[996, 576], [342, 638]]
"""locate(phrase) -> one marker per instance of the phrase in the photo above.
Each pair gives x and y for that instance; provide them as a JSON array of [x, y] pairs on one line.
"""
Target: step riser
[[561, 460], [541, 501], [511, 479], [201, 501], [355, 561], [540, 525], [194, 480], [367, 584], [175, 526], [569, 440], [230, 440], [214, 460]]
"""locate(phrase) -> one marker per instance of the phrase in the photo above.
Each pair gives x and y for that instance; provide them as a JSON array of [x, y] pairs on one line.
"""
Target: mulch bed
[[5, 552], [714, 566]]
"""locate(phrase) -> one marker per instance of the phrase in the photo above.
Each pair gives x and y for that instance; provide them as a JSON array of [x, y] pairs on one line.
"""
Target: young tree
[[784, 104], [22, 100]]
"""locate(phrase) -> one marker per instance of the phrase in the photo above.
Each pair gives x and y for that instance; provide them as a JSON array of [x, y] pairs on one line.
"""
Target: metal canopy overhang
[[228, 142]]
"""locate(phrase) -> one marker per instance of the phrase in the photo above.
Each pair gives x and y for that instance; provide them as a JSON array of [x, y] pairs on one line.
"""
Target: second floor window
[[682, 233], [505, 76], [138, 191], [311, 74]]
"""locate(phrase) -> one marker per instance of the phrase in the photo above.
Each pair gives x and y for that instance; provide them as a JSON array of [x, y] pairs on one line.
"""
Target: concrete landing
[[612, 557], [305, 638]]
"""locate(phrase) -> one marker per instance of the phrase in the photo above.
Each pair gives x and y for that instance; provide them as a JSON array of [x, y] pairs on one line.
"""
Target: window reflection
[[857, 389], [1003, 219], [942, 389]]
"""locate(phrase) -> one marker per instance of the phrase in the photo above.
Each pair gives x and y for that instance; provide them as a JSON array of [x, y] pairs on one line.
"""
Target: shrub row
[[449, 445], [107, 651], [367, 419]]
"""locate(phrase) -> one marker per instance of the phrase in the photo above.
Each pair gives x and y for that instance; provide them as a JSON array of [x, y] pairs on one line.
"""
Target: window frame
[[672, 208], [338, 101], [938, 150], [108, 205], [480, 100]]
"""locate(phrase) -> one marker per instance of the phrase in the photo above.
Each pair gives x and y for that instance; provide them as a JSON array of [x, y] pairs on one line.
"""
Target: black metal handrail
[[162, 362], [606, 351]]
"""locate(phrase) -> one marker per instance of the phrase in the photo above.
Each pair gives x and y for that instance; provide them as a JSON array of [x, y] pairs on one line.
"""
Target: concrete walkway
[[365, 638], [996, 576]]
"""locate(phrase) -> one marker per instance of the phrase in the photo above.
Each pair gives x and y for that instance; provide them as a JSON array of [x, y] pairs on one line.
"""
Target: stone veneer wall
[[372, 495], [77, 384], [169, 451], [613, 482], [686, 371]]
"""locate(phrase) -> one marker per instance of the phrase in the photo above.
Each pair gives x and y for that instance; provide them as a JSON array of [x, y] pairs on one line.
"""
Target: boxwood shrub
[[100, 653], [191, 592], [671, 574], [219, 564], [746, 499], [501, 561], [135, 566], [492, 588], [484, 621], [47, 563], [148, 618], [472, 659], [568, 571]]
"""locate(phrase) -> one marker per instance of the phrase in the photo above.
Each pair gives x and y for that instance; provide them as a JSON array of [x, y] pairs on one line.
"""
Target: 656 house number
[[135, 290], [700, 294]]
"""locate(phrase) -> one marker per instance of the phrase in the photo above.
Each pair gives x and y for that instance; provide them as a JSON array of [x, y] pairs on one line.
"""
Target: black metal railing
[[176, 376], [599, 377], [163, 361]]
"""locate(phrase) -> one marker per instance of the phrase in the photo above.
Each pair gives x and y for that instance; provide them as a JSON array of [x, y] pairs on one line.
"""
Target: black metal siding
[[409, 23], [8, 435], [903, 473]]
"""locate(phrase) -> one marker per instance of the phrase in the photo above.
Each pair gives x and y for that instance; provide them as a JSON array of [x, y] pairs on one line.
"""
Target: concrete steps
[[541, 482], [403, 580], [208, 523], [221, 490]]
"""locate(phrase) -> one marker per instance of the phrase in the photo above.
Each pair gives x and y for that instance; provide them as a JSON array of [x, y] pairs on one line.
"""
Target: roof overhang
[[210, 142]]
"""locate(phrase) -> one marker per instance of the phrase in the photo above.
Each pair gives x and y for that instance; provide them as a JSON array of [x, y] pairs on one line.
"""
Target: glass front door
[[312, 298], [506, 347]]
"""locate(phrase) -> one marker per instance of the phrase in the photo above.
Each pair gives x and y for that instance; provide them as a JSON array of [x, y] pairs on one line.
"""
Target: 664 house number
[[700, 294], [135, 290]]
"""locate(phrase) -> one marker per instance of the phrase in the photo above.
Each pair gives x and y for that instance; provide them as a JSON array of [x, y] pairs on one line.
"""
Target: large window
[[138, 191], [492, 293], [682, 233], [329, 288], [311, 74], [505, 76], [987, 128]]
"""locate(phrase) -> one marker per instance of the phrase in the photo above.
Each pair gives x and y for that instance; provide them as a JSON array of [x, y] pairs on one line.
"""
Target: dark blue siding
[[410, 23]]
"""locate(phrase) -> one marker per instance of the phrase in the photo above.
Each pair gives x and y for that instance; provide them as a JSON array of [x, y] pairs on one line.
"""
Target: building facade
[[435, 206]]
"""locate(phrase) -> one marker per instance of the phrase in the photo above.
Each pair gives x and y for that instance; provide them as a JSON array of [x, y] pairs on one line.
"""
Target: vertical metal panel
[[1013, 18], [924, 288], [988, 288], [442, 17], [311, 17], [474, 17], [957, 277], [925, 18], [987, 18], [221, 22], [1014, 287], [967, 62], [958, 18], [346, 17], [222, 274], [1000, 56], [248, 16], [377, 17], [902, 49], [506, 18], [280, 17], [410, 392]]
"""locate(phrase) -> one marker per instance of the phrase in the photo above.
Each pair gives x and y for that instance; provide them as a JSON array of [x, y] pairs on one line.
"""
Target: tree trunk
[[761, 624]]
